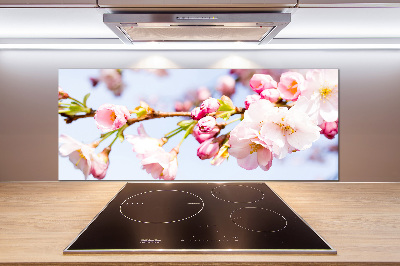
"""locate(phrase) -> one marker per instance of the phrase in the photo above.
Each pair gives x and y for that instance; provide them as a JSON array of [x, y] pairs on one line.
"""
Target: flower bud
[[251, 99], [206, 124], [201, 136], [183, 106], [94, 81], [260, 82], [197, 113], [208, 149], [203, 93], [210, 105], [62, 94], [271, 95], [226, 85], [329, 129]]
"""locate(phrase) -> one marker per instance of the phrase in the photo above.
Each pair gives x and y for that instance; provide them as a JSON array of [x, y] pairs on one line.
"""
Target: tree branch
[[156, 114], [70, 118]]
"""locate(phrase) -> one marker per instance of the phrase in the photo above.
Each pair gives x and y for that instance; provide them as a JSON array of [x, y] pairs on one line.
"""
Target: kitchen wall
[[369, 116]]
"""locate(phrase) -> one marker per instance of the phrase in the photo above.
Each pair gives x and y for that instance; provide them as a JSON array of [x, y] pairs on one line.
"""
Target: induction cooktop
[[198, 217]]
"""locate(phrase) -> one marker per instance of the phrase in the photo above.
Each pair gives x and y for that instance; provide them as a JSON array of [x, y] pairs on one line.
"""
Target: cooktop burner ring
[[126, 202], [236, 220], [260, 195]]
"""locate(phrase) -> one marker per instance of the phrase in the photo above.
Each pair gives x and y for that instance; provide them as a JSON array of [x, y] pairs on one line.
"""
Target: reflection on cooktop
[[198, 217]]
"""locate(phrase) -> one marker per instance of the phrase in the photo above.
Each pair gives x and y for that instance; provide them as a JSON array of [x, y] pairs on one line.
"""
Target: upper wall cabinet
[[349, 3], [48, 3], [196, 3]]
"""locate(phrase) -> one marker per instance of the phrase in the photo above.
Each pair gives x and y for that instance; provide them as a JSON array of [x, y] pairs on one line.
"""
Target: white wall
[[369, 116]]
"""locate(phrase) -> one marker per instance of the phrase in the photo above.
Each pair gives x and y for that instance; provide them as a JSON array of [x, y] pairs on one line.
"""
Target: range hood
[[191, 27]]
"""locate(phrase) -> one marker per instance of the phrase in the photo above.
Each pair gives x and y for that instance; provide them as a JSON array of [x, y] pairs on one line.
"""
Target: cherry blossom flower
[[329, 129], [113, 80], [286, 130], [62, 94], [161, 164], [247, 148], [251, 99], [197, 113], [226, 85], [208, 149], [206, 124], [100, 164], [322, 91], [111, 117], [271, 95], [202, 136], [143, 143], [79, 154], [260, 82], [210, 105], [291, 85]]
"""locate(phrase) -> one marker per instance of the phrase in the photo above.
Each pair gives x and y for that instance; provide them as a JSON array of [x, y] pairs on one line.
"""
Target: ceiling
[[33, 25]]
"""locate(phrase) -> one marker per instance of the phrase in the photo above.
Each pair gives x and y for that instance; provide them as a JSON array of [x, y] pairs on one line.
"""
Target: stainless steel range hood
[[175, 27]]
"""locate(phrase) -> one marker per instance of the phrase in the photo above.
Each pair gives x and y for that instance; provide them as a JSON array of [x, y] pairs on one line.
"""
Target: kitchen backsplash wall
[[369, 84]]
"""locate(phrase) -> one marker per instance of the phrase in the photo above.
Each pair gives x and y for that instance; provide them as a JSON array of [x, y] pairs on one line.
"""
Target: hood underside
[[174, 27]]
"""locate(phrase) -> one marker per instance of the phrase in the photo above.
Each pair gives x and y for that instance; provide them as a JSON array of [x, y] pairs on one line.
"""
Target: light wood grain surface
[[360, 220]]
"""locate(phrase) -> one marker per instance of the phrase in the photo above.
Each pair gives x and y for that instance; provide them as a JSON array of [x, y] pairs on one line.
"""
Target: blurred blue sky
[[162, 92]]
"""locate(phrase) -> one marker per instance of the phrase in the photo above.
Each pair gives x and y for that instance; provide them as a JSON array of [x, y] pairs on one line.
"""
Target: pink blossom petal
[[249, 162], [329, 109], [263, 156], [266, 167]]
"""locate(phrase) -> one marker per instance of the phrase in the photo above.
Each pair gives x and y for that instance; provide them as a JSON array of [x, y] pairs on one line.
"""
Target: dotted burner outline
[[262, 194], [258, 231], [159, 190]]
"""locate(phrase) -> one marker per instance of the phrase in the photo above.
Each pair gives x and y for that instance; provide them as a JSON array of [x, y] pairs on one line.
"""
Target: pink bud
[[329, 129], [260, 82], [251, 99], [197, 113], [201, 136], [203, 93], [178, 106], [62, 94], [208, 149], [100, 164], [271, 95], [226, 85], [94, 81], [183, 106], [210, 105], [206, 124]]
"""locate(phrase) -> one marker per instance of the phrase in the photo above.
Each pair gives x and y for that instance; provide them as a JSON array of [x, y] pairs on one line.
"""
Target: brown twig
[[155, 114], [70, 118]]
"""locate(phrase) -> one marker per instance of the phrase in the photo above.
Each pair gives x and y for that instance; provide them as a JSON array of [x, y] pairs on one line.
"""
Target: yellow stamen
[[113, 116], [255, 147], [293, 87], [81, 156], [286, 128]]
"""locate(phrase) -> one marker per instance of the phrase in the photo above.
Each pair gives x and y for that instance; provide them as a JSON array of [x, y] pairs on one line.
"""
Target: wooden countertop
[[360, 220]]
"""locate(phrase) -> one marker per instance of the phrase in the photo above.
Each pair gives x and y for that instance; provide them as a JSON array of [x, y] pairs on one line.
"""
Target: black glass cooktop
[[198, 217]]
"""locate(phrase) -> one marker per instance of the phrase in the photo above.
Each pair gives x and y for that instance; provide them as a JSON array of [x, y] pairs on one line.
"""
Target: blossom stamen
[[81, 157], [285, 128], [255, 147], [293, 87], [325, 92]]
